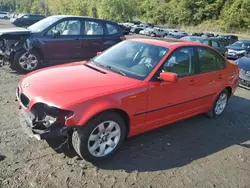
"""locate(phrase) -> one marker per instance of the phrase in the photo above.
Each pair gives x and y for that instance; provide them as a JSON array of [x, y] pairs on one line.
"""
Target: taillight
[[123, 38]]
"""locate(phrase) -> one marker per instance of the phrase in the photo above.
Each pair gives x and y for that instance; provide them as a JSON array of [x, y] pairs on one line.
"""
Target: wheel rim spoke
[[111, 143], [93, 137], [101, 128], [114, 134], [102, 149], [94, 147], [110, 126]]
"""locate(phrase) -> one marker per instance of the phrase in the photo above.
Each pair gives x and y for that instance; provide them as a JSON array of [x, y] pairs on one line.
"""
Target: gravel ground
[[198, 152]]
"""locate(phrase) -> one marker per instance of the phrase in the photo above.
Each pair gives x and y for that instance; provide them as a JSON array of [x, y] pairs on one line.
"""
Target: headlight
[[241, 52]]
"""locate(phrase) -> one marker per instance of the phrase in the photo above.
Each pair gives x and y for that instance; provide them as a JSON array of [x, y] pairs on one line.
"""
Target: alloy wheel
[[221, 104], [28, 62], [104, 138]]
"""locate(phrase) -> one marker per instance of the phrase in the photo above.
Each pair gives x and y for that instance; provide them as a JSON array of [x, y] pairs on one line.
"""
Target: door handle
[[220, 76], [77, 39]]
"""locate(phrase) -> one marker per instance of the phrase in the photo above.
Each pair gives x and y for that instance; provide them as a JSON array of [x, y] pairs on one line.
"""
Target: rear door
[[113, 34], [65, 47], [212, 74], [93, 38]]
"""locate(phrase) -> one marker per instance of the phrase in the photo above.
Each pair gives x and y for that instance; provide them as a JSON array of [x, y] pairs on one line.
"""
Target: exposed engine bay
[[11, 43]]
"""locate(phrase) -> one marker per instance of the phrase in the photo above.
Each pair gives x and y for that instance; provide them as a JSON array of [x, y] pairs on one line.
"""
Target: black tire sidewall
[[214, 106], [17, 56], [81, 135]]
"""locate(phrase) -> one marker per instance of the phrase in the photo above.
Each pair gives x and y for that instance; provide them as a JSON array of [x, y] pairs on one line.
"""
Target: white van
[[4, 15]]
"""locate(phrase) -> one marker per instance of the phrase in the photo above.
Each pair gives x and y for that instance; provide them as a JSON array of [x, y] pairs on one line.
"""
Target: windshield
[[131, 58], [42, 24], [240, 44]]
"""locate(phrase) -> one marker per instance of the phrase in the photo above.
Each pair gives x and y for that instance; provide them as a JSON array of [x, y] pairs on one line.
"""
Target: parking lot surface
[[198, 152]]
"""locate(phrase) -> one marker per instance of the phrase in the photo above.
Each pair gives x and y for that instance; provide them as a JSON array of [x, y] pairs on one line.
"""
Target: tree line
[[223, 14]]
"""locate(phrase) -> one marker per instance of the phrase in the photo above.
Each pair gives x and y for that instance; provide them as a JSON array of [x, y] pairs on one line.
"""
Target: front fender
[[83, 114]]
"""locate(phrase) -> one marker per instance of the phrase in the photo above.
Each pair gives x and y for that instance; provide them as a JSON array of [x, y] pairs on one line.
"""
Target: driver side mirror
[[169, 77], [55, 33]]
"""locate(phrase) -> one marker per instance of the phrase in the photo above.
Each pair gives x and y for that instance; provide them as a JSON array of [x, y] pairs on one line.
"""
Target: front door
[[170, 101], [66, 46], [92, 41]]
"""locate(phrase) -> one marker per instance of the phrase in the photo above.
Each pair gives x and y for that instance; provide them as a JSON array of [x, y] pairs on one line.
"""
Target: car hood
[[244, 63], [15, 31], [69, 84]]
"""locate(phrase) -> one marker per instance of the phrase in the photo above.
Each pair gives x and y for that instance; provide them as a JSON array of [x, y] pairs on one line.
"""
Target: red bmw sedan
[[131, 88]]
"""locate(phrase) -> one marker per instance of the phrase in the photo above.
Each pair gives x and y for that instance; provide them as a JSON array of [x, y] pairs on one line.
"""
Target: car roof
[[243, 41], [72, 16], [167, 43], [197, 37]]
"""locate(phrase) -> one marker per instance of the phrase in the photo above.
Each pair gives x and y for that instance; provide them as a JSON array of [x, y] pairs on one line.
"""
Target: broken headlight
[[49, 115]]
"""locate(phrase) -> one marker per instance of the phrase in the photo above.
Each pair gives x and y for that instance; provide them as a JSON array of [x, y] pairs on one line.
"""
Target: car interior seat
[[182, 64], [72, 29]]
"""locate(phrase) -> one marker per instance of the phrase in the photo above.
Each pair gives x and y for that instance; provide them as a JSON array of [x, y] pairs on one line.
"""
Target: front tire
[[100, 138], [25, 62], [219, 105]]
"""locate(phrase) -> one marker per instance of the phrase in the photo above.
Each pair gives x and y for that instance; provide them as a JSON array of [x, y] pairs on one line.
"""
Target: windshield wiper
[[109, 67]]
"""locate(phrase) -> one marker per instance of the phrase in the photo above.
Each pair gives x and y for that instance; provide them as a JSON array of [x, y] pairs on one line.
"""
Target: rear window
[[111, 29]]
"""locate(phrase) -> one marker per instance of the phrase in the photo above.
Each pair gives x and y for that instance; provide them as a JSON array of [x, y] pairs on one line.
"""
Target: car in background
[[216, 43], [230, 39], [25, 20], [133, 87], [238, 49], [136, 29], [126, 29], [208, 35], [176, 35], [4, 15], [57, 39], [244, 66]]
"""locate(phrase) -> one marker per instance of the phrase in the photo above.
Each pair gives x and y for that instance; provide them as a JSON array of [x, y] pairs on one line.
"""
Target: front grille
[[24, 100]]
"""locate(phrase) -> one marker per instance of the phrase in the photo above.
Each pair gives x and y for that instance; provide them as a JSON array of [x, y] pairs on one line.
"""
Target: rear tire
[[26, 62], [219, 105], [93, 143]]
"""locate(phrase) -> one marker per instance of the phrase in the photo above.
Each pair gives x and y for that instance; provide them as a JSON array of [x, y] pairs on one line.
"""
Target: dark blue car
[[57, 39], [238, 49], [244, 66]]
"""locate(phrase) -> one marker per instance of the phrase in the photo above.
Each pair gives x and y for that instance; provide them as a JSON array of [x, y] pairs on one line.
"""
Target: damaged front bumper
[[38, 130]]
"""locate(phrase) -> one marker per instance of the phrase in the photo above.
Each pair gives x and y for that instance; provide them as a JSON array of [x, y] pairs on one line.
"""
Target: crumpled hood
[[14, 31], [68, 84]]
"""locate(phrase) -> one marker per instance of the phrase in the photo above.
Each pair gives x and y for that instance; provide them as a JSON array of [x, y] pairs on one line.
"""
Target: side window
[[69, 27], [181, 62], [26, 16], [215, 44], [93, 28], [111, 29], [210, 60], [206, 42]]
